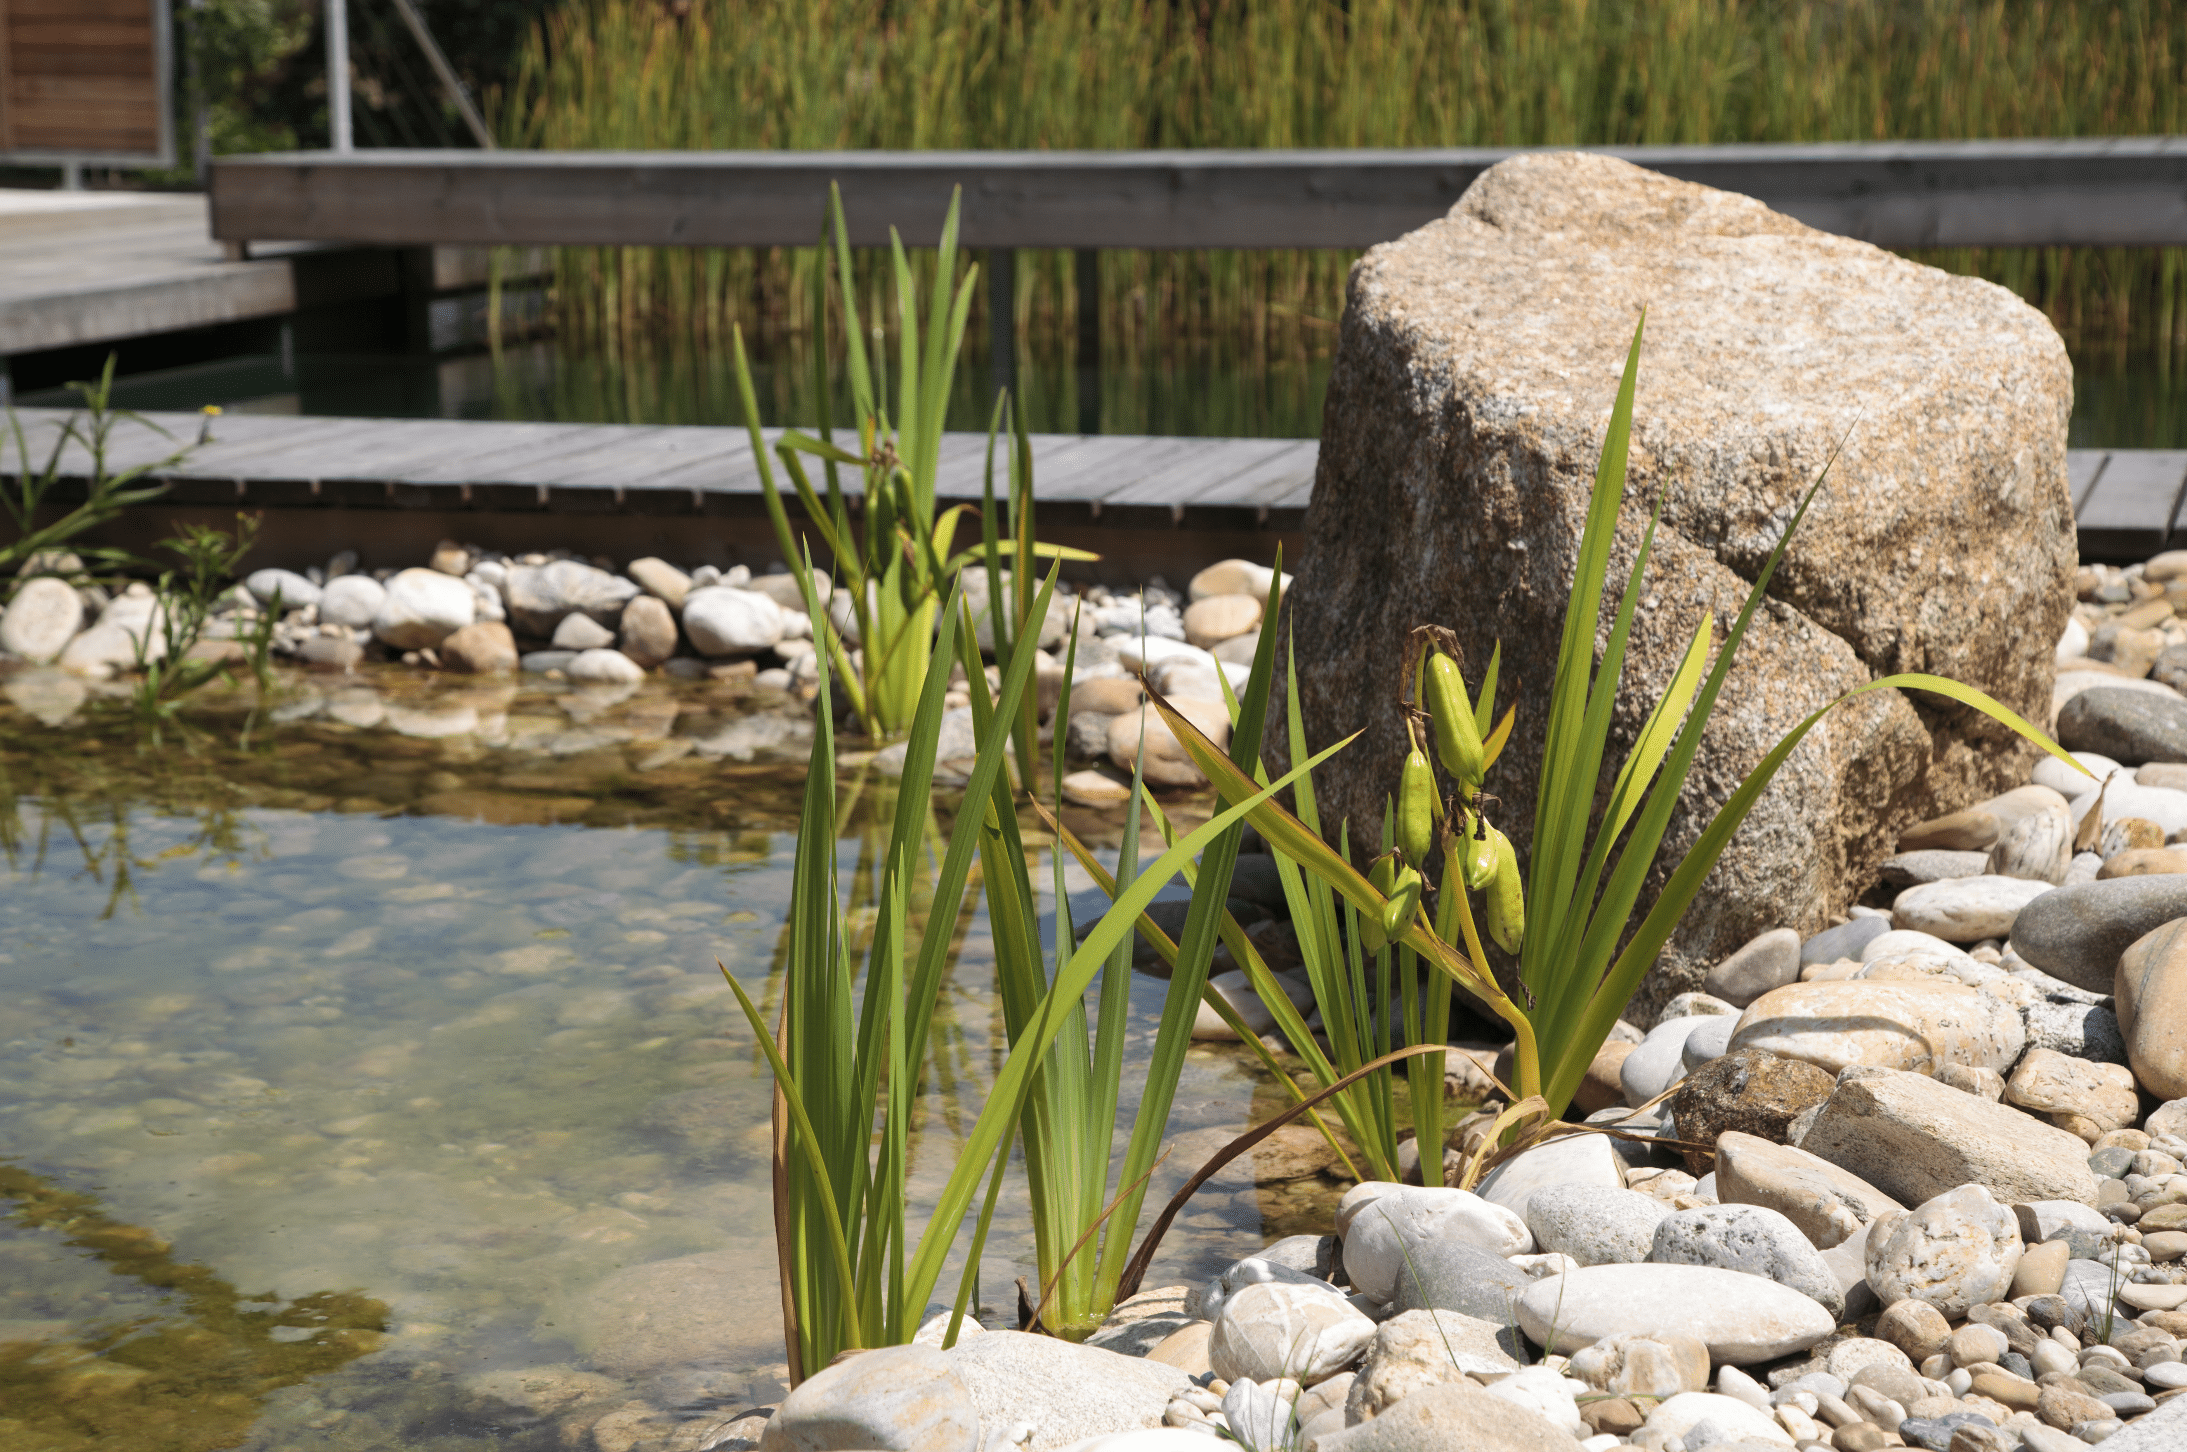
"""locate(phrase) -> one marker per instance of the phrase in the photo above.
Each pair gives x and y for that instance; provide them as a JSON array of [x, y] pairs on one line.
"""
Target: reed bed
[[804, 74]]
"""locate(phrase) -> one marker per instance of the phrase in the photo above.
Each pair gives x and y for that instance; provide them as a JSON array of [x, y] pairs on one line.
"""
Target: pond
[[2124, 398], [373, 1083]]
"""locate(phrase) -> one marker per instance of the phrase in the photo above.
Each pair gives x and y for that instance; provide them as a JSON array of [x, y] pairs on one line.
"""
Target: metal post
[[1002, 319], [447, 74], [1088, 289], [72, 176], [338, 73]]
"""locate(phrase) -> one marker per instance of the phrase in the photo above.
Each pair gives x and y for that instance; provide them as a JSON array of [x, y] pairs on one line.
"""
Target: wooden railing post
[[1087, 304]]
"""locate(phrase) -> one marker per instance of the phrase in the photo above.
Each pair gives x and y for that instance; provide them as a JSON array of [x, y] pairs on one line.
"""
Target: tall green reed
[[850, 1043], [893, 564], [821, 74]]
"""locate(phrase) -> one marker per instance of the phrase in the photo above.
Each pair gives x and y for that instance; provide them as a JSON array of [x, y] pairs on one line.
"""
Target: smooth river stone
[[1064, 1391], [1657, 1062], [1894, 1024], [40, 620], [1381, 1223], [1431, 1419], [1965, 909], [1828, 1204], [1575, 1159], [1843, 941], [1753, 1241], [1742, 1319], [1768, 961], [1595, 1224], [907, 1398], [1735, 1423], [1934, 864], [2078, 932], [2152, 1005], [2126, 725], [1269, 1331], [1914, 1138]]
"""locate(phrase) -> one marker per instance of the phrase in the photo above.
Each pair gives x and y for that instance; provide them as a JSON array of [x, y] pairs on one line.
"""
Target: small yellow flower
[[211, 411]]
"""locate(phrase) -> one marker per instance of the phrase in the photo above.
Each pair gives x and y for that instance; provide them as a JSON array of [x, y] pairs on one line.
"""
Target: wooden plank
[[1233, 476], [2131, 509], [2083, 468], [86, 80], [2130, 512], [2084, 192]]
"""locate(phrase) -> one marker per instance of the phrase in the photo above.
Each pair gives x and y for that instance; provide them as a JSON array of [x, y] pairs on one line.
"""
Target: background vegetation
[[1274, 73]]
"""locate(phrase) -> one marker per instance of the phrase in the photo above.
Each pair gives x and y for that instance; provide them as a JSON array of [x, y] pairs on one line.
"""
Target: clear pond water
[[372, 1083]]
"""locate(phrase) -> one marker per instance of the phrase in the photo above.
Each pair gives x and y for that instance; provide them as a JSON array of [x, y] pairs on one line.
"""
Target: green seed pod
[[1403, 906], [1416, 808], [1382, 875], [1478, 859], [1457, 737], [1506, 899]]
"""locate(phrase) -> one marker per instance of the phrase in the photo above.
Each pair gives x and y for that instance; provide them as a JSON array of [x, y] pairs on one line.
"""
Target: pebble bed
[[1916, 1180]]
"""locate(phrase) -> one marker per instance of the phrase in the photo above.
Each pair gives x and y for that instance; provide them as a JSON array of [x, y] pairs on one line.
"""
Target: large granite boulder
[[1474, 376]]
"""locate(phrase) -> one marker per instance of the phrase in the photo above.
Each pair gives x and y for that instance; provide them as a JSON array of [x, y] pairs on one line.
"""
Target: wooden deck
[[285, 461], [2128, 502], [98, 267]]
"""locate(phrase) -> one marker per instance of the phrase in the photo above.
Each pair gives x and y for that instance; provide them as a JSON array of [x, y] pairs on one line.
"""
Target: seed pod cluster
[[1482, 855], [1457, 736]]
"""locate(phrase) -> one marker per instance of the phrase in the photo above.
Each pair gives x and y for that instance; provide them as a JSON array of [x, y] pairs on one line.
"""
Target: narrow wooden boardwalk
[[102, 267], [2129, 503], [285, 461]]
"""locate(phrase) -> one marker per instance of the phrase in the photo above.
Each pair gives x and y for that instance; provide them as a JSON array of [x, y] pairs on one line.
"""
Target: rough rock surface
[[1631, 1364], [1595, 1224], [1478, 359], [1955, 1251], [1914, 1138], [1751, 1240], [1748, 1091], [1422, 1349]]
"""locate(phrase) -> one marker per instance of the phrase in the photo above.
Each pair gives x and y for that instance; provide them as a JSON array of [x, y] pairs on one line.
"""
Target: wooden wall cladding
[[86, 79]]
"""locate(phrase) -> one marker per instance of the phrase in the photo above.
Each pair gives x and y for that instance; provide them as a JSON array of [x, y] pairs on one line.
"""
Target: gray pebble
[[1595, 1224], [1911, 869], [1843, 941], [1710, 1041]]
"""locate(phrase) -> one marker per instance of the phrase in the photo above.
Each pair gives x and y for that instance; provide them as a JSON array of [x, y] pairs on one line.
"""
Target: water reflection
[[356, 1002], [183, 1359]]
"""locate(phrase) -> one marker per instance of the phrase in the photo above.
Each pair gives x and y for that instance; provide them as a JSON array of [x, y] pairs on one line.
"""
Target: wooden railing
[[2117, 192]]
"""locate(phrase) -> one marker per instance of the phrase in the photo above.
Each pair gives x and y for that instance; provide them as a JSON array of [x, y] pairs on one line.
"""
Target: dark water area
[[2124, 398], [373, 1083]]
